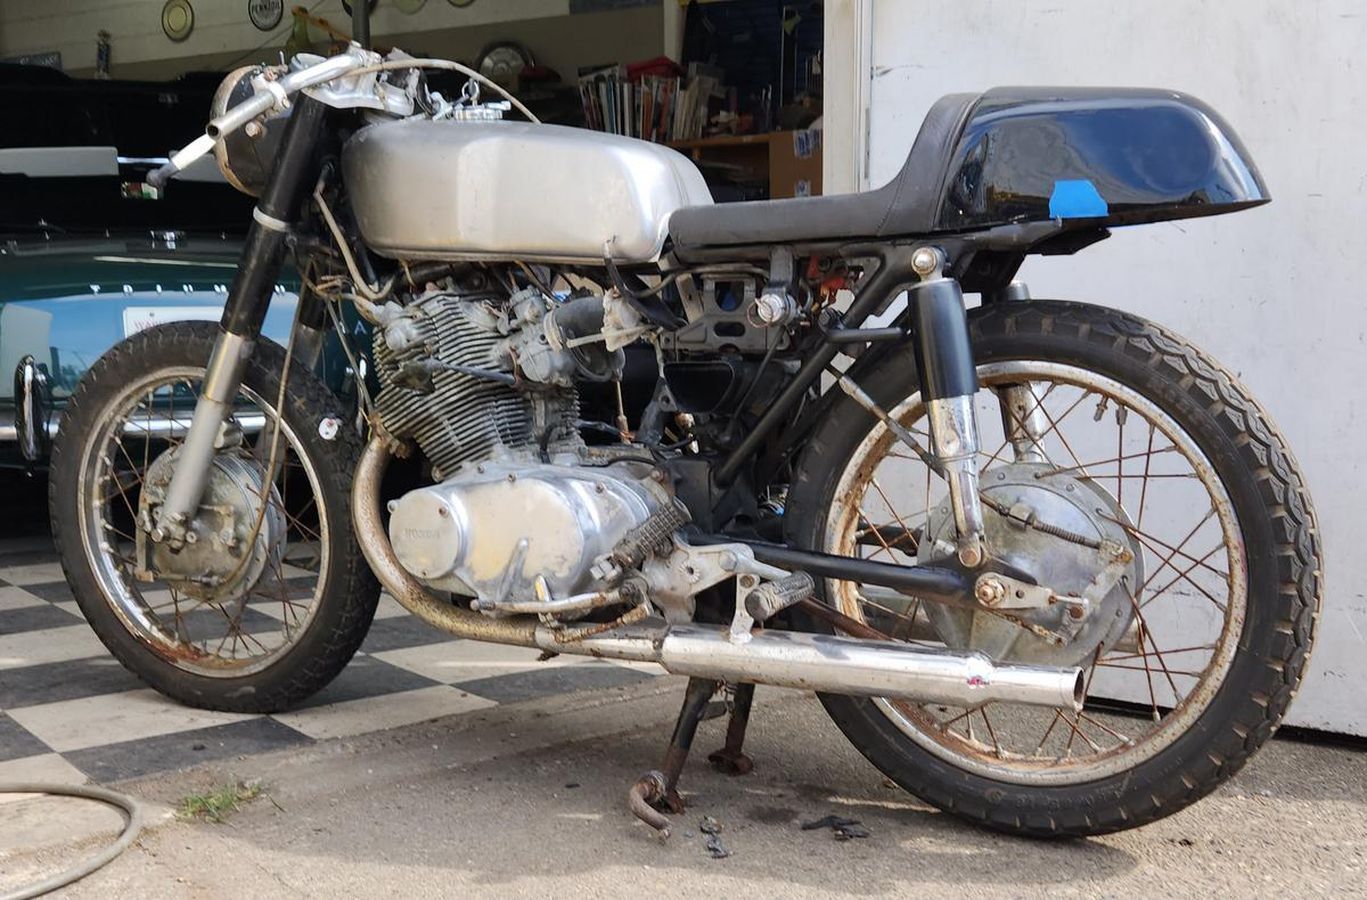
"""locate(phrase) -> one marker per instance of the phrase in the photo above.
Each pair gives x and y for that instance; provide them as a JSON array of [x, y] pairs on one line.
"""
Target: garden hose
[[130, 807]]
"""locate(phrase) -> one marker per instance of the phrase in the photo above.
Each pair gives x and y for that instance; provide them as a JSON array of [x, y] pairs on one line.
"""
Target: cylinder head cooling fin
[[453, 416]]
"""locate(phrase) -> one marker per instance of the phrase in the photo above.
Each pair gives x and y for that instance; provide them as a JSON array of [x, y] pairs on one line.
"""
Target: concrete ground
[[527, 800]]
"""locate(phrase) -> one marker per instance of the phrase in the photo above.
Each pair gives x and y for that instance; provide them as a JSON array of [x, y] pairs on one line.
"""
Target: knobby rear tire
[[1283, 565]]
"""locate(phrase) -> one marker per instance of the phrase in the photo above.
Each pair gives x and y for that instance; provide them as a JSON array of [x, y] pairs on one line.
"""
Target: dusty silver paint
[[475, 190], [494, 529]]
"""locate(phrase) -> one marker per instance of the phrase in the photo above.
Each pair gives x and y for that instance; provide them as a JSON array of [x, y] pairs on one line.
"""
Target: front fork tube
[[296, 168], [949, 382]]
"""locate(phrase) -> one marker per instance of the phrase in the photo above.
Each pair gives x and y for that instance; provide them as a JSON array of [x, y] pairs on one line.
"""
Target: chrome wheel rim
[[238, 636], [1169, 682]]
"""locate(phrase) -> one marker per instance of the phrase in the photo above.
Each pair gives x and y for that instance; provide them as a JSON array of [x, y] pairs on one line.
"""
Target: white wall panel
[[1276, 293]]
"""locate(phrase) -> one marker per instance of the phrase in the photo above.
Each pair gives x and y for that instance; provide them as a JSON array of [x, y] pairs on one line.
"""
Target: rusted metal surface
[[647, 791], [412, 596], [831, 616], [731, 759], [700, 691], [574, 635]]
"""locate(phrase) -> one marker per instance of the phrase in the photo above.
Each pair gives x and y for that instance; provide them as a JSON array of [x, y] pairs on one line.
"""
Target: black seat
[[903, 206]]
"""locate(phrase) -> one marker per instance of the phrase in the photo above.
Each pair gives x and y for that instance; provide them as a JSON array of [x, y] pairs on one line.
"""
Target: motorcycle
[[1047, 565]]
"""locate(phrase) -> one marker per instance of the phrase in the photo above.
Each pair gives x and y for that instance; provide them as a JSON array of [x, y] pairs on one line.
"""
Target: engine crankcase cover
[[490, 530]]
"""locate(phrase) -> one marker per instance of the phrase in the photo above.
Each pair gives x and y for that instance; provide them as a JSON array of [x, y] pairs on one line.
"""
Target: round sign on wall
[[265, 14], [177, 19]]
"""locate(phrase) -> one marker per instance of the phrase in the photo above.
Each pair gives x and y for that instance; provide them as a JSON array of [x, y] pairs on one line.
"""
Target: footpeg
[[772, 597]]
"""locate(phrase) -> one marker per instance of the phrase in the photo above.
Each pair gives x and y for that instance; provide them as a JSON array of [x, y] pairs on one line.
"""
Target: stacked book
[[658, 108]]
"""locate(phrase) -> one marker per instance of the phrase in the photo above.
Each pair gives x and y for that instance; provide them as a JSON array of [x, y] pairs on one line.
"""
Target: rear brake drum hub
[[1079, 506]]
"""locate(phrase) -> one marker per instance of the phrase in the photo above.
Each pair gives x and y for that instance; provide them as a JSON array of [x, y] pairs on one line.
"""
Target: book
[[653, 106]]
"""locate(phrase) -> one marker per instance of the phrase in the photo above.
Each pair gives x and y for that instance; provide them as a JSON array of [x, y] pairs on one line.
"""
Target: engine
[[445, 364], [524, 514]]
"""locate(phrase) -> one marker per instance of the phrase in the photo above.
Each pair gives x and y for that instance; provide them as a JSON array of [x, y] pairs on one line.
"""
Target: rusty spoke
[[991, 732], [1128, 656], [1124, 739], [944, 726], [1120, 459], [1146, 636], [1111, 665], [895, 532], [877, 534], [1054, 427], [900, 521], [1048, 731], [1158, 547], [1185, 575]]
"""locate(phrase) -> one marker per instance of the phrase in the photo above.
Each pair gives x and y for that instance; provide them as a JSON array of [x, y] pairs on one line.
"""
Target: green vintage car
[[65, 301], [89, 253], [69, 292]]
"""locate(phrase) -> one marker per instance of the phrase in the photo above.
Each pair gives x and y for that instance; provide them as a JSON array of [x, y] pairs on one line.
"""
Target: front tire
[[1277, 570], [294, 625]]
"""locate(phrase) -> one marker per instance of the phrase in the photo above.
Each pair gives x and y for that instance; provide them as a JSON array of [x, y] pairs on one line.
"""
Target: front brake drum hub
[[209, 566], [1077, 505]]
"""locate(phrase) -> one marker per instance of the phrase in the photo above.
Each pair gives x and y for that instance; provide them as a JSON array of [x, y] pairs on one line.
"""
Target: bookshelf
[[789, 161]]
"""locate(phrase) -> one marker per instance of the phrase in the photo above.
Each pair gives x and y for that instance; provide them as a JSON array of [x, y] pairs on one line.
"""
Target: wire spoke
[[1149, 469], [1122, 458], [1185, 575], [1124, 739], [1127, 656]]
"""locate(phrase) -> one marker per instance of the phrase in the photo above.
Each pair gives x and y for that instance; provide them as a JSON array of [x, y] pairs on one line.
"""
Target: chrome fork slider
[[222, 378]]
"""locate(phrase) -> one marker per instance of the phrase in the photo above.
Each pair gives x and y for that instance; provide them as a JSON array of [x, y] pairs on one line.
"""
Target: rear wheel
[[1191, 650], [281, 596]]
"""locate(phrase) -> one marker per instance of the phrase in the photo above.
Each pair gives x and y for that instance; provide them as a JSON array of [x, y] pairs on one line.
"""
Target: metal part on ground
[[730, 759], [691, 713], [648, 790]]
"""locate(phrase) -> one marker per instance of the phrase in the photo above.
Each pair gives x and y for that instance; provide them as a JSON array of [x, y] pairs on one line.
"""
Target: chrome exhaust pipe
[[367, 522], [833, 664], [814, 662]]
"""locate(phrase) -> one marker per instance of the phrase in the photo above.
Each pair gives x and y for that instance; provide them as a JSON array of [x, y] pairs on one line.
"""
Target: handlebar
[[269, 95]]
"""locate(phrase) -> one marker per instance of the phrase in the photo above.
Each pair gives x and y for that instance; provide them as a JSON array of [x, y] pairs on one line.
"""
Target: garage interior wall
[[1275, 292], [224, 36]]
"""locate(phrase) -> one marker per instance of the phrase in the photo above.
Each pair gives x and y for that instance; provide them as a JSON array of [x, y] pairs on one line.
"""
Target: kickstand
[[659, 789], [729, 760]]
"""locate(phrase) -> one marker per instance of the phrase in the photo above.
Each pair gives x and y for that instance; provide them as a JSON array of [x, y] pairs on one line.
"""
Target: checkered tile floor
[[70, 712]]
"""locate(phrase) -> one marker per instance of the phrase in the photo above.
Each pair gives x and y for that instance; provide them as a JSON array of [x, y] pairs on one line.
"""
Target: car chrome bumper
[[34, 442]]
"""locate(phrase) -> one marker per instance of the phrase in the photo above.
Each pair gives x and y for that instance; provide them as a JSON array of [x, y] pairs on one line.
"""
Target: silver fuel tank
[[514, 190]]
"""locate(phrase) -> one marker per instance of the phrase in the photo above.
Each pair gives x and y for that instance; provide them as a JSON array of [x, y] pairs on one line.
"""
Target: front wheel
[[1192, 650], [273, 597]]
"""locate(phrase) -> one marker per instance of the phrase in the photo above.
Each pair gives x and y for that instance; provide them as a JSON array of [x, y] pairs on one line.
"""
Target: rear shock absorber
[[949, 382]]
